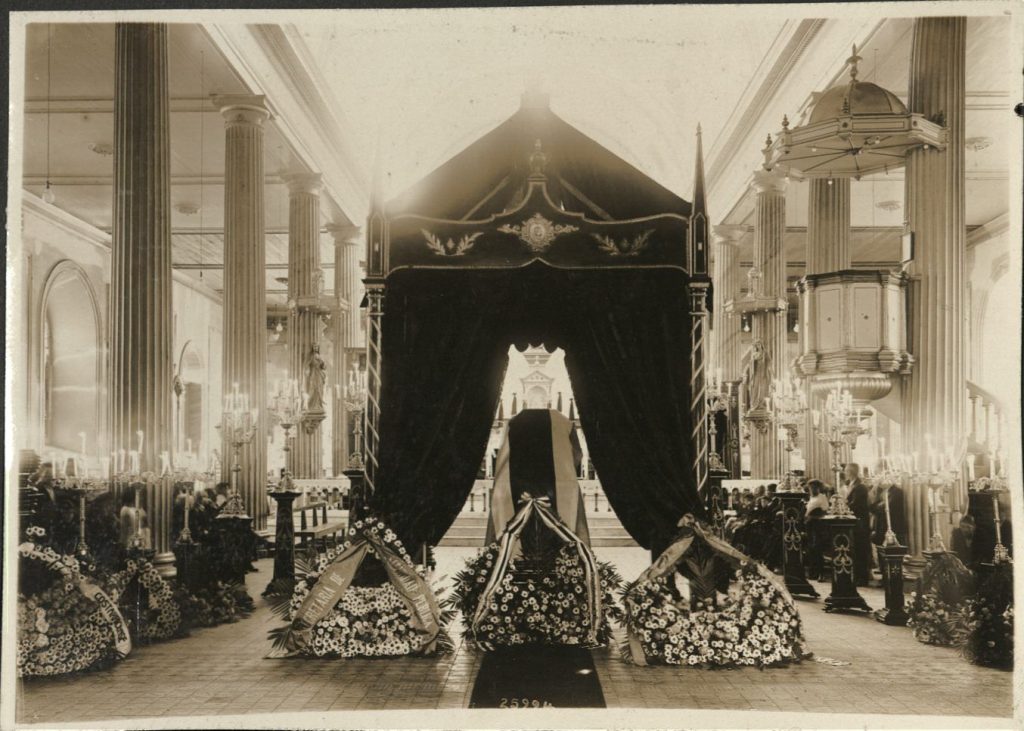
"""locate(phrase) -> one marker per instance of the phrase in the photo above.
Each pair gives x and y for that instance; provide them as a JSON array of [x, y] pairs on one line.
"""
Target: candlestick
[[140, 435]]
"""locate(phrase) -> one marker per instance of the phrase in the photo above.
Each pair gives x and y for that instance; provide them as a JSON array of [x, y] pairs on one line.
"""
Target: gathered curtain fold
[[445, 340]]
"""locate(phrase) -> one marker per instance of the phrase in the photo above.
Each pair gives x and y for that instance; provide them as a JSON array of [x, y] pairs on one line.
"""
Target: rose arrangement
[[755, 625], [366, 621], [61, 629], [209, 606], [544, 606], [987, 638], [933, 621], [160, 619]]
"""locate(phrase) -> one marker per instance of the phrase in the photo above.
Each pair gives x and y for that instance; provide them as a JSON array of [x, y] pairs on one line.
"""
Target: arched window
[[69, 359]]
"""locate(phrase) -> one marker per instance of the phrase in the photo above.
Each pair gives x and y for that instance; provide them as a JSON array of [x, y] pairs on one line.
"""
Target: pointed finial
[[538, 160], [853, 60], [377, 186], [767, 152], [785, 121]]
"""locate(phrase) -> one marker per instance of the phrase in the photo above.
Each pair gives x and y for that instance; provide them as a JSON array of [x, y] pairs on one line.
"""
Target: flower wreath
[[331, 618], [70, 627], [569, 603], [757, 623], [163, 620], [941, 602]]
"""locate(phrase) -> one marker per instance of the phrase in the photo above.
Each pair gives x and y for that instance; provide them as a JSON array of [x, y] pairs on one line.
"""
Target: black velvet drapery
[[445, 340]]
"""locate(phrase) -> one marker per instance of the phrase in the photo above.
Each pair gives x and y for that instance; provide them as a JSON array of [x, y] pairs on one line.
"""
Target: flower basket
[[328, 617], [562, 596], [755, 624], [988, 635], [69, 626]]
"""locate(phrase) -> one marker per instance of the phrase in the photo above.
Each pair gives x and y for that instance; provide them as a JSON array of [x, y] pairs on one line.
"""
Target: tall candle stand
[[718, 402], [238, 425], [80, 488], [355, 404], [286, 408], [891, 555], [995, 486]]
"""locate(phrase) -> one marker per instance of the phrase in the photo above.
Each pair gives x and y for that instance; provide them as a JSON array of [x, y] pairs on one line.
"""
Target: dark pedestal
[[891, 560], [793, 507], [844, 591], [357, 494], [184, 553], [284, 542]]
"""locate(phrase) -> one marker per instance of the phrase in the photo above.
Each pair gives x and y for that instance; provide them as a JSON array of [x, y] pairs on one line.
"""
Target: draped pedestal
[[767, 457], [934, 394], [141, 318], [305, 280], [345, 264], [828, 250], [245, 299]]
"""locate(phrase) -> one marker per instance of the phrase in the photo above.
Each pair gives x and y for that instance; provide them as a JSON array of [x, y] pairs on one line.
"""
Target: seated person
[[540, 455], [961, 541]]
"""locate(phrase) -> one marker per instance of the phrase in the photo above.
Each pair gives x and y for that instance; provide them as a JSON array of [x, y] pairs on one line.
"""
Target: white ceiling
[[410, 88]]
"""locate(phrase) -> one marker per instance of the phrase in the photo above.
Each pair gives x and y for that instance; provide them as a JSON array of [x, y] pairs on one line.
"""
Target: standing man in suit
[[857, 500]]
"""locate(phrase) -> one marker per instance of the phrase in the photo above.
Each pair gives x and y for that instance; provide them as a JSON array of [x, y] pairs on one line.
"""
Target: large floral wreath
[[502, 605], [335, 619], [161, 618], [71, 625], [756, 622], [941, 602]]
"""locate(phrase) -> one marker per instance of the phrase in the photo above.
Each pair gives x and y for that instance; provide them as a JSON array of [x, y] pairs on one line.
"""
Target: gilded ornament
[[537, 232], [450, 247], [623, 247]]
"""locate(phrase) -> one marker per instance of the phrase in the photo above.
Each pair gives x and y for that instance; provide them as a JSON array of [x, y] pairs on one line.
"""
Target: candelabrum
[[355, 404], [786, 408], [840, 425], [80, 488], [995, 486], [884, 480], [238, 426], [286, 409], [718, 402]]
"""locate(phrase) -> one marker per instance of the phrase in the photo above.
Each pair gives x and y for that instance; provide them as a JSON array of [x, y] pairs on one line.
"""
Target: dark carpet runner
[[537, 677]]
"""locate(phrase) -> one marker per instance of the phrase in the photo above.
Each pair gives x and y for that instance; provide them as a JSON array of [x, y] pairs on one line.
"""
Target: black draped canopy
[[614, 294]]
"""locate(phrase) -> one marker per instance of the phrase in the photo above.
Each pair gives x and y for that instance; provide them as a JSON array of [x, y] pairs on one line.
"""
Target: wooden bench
[[315, 527]]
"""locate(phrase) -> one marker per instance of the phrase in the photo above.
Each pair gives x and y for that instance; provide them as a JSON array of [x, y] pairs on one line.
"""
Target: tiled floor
[[222, 671]]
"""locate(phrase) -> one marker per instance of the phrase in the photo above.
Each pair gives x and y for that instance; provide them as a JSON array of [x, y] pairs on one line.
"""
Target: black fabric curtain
[[445, 340]]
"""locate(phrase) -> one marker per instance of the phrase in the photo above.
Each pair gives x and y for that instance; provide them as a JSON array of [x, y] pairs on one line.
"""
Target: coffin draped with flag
[[330, 617], [538, 584], [754, 623]]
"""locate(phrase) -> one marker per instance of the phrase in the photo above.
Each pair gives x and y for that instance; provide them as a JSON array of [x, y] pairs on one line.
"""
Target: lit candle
[[140, 435], [105, 467], [188, 446], [133, 459], [81, 435], [917, 464], [121, 462], [970, 467], [165, 463]]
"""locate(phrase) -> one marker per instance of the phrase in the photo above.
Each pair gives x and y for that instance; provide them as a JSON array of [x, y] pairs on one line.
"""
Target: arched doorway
[[70, 348]]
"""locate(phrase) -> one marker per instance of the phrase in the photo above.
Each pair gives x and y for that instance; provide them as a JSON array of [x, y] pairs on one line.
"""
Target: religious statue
[[316, 381], [757, 375]]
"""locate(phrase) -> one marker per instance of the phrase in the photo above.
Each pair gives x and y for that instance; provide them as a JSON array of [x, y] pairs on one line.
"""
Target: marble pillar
[[141, 375], [728, 279], [245, 298], [305, 284], [828, 250], [934, 395], [345, 264], [767, 457]]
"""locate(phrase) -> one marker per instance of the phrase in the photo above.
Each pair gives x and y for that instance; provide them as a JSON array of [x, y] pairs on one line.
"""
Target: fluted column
[[828, 250], [305, 280], [345, 253], [934, 395], [141, 319], [728, 284], [767, 458], [245, 298]]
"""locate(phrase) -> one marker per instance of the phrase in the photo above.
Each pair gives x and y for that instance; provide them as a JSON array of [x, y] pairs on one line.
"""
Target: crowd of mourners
[[752, 523]]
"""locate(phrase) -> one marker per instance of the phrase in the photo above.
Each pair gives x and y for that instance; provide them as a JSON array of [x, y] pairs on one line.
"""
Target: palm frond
[[280, 598]]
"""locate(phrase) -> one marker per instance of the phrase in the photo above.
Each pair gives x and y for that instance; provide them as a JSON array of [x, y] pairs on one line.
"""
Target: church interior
[[584, 354]]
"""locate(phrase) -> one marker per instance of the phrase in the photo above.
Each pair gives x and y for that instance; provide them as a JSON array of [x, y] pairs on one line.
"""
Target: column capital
[[769, 181], [344, 233], [728, 234], [303, 183], [248, 109]]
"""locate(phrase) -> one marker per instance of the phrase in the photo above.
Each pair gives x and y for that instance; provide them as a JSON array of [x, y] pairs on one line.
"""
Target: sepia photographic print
[[513, 367]]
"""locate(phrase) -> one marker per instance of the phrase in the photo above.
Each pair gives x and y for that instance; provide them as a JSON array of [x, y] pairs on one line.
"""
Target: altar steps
[[469, 529]]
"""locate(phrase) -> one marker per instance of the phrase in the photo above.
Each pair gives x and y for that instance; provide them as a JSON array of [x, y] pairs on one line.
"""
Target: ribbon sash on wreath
[[508, 549], [337, 577]]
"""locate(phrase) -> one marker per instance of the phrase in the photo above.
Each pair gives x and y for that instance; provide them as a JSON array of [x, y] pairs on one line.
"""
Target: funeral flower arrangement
[[940, 603], [987, 637], [563, 596], [61, 628], [362, 621], [159, 617], [755, 625]]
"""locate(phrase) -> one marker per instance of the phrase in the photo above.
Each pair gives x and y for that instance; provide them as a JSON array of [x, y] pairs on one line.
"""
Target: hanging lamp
[[853, 129]]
